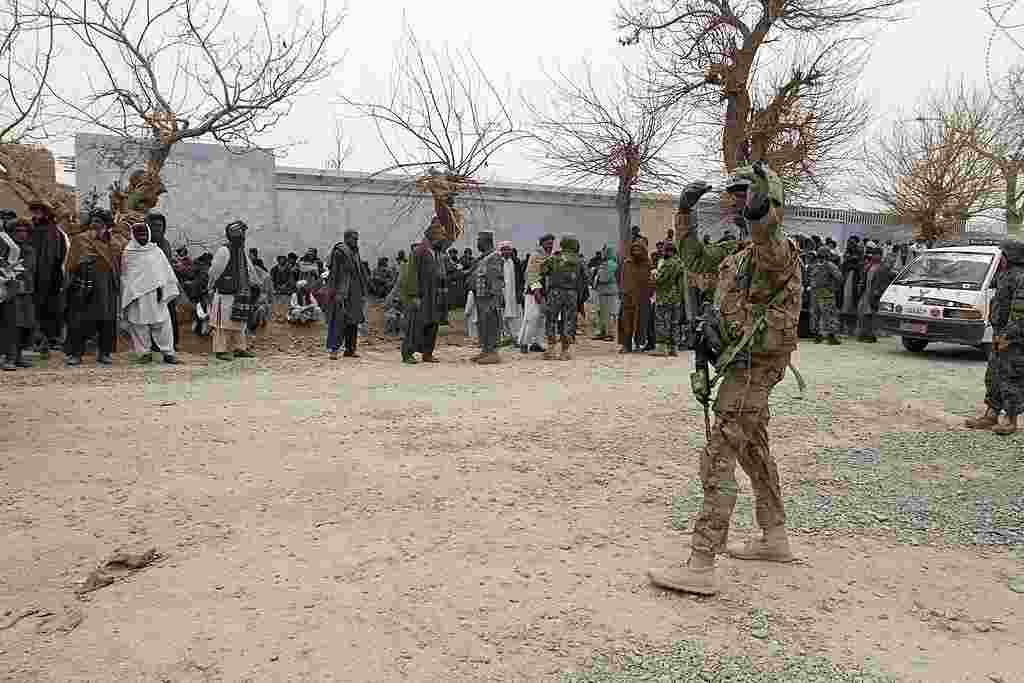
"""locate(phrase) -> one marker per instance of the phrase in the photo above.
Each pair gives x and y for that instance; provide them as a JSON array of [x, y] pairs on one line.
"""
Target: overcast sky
[[939, 39]]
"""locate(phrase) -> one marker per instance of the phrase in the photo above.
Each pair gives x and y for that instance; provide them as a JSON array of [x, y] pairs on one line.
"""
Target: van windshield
[[947, 269]]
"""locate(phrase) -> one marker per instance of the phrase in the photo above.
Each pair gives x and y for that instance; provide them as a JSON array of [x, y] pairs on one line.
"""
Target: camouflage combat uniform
[[701, 262], [489, 288], [825, 279], [747, 281], [668, 301], [565, 286], [1008, 322]]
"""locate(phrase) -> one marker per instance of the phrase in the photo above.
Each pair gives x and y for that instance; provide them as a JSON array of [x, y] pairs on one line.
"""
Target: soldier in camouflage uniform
[[1005, 378], [758, 300], [825, 279], [702, 273], [565, 284], [489, 287], [993, 400], [669, 281]]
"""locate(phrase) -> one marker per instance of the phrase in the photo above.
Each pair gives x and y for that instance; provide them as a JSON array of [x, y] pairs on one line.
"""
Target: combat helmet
[[569, 243], [1013, 250]]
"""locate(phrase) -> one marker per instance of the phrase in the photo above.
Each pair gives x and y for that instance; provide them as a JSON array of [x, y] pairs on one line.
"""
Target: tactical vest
[[1016, 313], [821, 276], [742, 302], [564, 275], [227, 283], [484, 279]]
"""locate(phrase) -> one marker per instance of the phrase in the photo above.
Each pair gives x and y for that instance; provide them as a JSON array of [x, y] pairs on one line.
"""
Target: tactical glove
[[757, 207], [692, 193]]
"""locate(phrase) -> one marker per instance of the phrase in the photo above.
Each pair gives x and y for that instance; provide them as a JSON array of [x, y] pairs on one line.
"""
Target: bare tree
[[26, 52], [784, 71], [342, 149], [179, 70], [441, 123], [994, 129], [931, 171], [623, 138]]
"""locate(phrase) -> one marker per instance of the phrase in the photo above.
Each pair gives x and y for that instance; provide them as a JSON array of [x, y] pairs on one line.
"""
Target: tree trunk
[[1013, 208], [623, 201]]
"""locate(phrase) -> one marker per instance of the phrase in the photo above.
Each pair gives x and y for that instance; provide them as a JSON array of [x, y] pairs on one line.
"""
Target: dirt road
[[367, 521]]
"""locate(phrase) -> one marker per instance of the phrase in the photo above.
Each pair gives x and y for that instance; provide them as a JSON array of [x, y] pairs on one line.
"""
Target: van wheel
[[915, 345]]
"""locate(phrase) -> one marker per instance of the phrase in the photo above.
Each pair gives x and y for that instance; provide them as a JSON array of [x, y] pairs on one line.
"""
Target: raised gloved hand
[[692, 193], [757, 206]]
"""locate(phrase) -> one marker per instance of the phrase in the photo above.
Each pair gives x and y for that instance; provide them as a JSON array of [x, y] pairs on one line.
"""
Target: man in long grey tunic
[[489, 283], [347, 287]]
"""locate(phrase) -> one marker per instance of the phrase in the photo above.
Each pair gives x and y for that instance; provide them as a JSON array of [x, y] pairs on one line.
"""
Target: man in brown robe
[[423, 297], [94, 263], [636, 289]]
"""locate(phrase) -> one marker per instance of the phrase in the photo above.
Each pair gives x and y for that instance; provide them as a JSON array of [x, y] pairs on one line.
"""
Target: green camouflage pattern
[[668, 324], [770, 185], [668, 282]]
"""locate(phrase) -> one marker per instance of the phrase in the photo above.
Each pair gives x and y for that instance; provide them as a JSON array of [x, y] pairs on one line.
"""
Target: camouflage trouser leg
[[1010, 380], [825, 312], [993, 398], [740, 435], [666, 324], [560, 309]]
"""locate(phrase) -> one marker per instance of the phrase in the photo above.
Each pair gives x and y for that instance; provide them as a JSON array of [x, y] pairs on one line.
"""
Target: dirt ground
[[362, 520]]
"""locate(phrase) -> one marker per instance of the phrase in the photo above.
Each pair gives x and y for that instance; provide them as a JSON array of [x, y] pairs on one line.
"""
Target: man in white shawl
[[512, 314], [148, 283]]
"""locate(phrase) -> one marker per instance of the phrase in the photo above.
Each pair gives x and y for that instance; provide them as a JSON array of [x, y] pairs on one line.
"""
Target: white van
[[943, 296]]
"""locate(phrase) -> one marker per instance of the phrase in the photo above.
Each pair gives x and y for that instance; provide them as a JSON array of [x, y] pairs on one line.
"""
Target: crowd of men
[[73, 291]]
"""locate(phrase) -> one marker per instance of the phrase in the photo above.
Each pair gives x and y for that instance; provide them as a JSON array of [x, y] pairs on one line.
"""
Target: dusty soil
[[367, 521]]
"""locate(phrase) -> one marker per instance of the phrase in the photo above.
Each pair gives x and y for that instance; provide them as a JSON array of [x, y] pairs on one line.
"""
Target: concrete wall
[[207, 187], [317, 206], [292, 209]]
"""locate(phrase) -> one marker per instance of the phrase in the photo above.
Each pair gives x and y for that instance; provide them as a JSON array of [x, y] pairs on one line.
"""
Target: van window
[[952, 269]]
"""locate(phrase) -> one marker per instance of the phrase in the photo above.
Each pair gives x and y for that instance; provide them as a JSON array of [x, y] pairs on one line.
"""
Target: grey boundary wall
[[292, 209]]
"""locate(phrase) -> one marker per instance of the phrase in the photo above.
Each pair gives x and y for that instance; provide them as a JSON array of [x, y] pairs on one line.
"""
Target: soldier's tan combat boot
[[550, 353], [987, 421], [696, 576], [773, 546], [1007, 429], [491, 358], [566, 349]]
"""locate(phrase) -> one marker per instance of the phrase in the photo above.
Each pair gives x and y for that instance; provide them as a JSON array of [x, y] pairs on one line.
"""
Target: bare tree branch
[[931, 169], [623, 138], [724, 57], [27, 51], [442, 122], [179, 70]]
